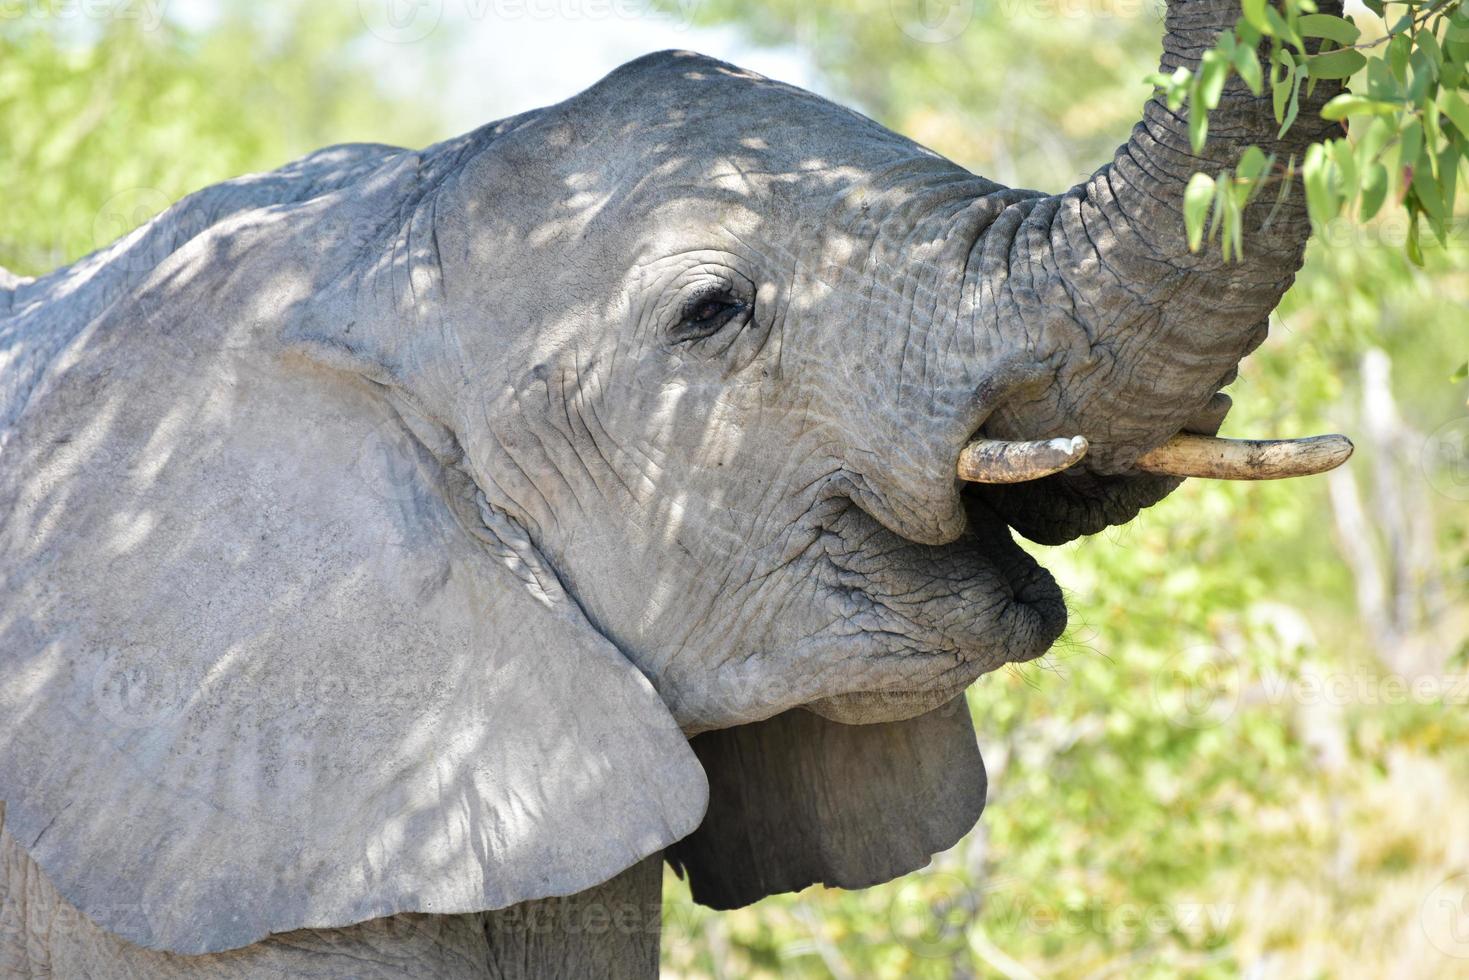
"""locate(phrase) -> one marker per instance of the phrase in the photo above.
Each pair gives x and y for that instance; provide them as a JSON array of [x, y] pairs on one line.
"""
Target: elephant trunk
[[1139, 332]]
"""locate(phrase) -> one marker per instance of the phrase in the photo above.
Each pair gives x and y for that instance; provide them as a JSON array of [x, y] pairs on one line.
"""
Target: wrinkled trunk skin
[[1139, 333]]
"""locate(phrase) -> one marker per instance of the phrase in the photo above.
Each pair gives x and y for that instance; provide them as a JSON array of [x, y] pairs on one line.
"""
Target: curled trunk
[[1140, 332]]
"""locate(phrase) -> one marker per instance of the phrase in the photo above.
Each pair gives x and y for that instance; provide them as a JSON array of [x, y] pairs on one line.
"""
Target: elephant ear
[[269, 661], [798, 799]]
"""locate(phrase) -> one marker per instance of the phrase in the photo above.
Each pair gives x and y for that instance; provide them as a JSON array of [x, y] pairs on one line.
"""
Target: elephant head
[[379, 530]]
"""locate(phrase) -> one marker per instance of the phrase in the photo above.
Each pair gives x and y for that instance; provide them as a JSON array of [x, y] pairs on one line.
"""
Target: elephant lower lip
[[966, 608], [1036, 602], [874, 707]]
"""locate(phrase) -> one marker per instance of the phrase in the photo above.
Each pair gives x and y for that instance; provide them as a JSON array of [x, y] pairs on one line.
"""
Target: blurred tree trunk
[[1387, 537]]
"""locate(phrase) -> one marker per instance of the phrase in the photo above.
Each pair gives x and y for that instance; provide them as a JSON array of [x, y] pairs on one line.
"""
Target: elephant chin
[[875, 707], [995, 605]]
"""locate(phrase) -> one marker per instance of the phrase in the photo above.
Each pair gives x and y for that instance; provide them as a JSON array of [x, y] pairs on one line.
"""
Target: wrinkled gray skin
[[692, 354]]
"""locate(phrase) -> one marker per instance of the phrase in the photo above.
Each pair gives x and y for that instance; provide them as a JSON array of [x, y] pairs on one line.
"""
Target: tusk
[[1002, 461], [1245, 459]]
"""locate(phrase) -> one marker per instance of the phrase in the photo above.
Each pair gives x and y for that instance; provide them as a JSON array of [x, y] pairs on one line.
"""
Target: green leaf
[[1346, 168], [1174, 87], [1452, 72], [1448, 177], [1453, 105], [1221, 208], [1428, 44], [1335, 64], [1213, 72], [1415, 249], [1412, 142], [1232, 225], [1460, 373], [1381, 85], [1280, 90], [1252, 164], [1240, 192], [1398, 50], [1280, 28], [1458, 54], [1321, 203], [1293, 104], [1254, 11], [1247, 63], [1347, 104], [1428, 192], [1371, 141], [1425, 73], [1338, 29], [1196, 199], [1198, 125], [1432, 135], [1374, 190]]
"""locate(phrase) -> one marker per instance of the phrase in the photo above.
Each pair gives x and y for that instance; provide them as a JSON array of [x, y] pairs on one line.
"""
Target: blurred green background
[[1247, 755]]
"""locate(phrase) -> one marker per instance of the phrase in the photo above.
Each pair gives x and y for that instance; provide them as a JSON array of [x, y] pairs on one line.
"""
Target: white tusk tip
[[1214, 458]]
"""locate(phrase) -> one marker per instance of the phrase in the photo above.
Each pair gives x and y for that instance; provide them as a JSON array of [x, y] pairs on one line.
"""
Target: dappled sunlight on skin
[[714, 467], [410, 516], [213, 664]]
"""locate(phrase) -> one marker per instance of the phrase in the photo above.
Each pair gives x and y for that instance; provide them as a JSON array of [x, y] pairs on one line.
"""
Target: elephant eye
[[707, 315]]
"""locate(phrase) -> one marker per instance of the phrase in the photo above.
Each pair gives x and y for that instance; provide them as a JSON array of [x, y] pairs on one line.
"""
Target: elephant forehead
[[695, 116], [827, 216]]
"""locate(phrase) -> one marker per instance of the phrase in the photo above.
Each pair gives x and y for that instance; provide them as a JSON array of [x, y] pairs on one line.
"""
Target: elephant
[[406, 553]]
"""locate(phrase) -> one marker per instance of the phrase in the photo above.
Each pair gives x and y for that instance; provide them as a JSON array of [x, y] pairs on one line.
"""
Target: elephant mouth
[[958, 610], [980, 599], [1040, 491], [937, 616], [1061, 507]]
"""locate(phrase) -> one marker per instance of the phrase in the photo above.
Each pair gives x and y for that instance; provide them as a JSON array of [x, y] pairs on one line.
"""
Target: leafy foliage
[[107, 122], [1410, 127]]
